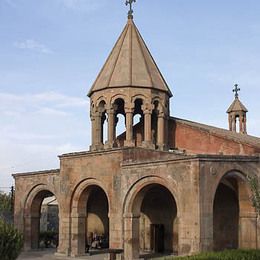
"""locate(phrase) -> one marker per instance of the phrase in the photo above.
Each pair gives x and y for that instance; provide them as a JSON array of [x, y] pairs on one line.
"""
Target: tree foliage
[[255, 188], [11, 241], [6, 206]]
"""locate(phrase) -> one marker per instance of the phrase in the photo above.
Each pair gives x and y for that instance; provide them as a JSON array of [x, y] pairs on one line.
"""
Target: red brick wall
[[199, 141]]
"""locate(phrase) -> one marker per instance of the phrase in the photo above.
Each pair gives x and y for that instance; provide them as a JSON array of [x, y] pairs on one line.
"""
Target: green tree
[[255, 188], [6, 206], [11, 241]]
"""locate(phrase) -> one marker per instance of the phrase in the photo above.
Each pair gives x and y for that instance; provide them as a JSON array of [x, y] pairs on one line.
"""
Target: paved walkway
[[50, 255]]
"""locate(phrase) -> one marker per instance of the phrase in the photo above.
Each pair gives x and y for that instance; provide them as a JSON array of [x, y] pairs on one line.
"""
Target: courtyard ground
[[50, 255]]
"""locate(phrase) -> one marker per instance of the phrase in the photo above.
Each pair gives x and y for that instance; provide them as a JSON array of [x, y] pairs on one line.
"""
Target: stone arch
[[136, 203], [81, 199], [32, 207], [118, 96], [139, 96], [234, 218], [100, 100]]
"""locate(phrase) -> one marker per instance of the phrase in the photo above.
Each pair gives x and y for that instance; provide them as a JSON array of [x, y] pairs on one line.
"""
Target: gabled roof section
[[237, 106], [130, 64]]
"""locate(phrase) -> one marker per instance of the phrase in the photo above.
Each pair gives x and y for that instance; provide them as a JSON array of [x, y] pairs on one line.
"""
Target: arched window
[[155, 121], [103, 121], [120, 123], [138, 121]]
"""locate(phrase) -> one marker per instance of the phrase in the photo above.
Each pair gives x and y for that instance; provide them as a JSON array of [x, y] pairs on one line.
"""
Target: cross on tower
[[236, 90], [130, 12]]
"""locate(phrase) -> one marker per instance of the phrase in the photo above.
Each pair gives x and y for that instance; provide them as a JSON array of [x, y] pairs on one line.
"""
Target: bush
[[224, 255], [11, 241]]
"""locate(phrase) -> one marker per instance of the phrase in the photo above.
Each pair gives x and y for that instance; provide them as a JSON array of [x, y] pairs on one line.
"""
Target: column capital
[[111, 110], [96, 114], [147, 108], [129, 110], [161, 115], [147, 111]]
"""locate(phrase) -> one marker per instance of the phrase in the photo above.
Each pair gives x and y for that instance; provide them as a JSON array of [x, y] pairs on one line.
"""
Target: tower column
[[161, 131], [148, 128], [93, 131], [129, 128], [240, 124], [96, 131], [111, 128]]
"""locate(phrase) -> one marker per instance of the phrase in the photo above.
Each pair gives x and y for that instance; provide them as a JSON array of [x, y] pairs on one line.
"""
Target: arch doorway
[[234, 220], [41, 221], [156, 227], [91, 222]]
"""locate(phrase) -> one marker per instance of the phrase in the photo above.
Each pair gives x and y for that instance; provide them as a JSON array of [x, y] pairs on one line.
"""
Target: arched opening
[[120, 121], [90, 218], [43, 221], [103, 122], [138, 122], [234, 220], [237, 121], [155, 122], [157, 228]]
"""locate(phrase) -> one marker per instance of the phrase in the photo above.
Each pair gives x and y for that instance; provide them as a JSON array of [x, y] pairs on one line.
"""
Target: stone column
[[148, 128], [35, 231], [230, 121], [93, 132], [161, 132], [78, 234], [111, 128], [248, 230], [129, 128], [96, 131], [27, 245], [64, 235], [241, 124], [131, 237]]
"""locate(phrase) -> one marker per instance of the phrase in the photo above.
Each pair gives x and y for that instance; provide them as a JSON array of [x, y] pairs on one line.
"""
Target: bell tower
[[129, 86], [237, 114]]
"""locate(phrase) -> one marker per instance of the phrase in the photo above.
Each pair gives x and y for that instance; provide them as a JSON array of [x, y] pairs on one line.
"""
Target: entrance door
[[157, 238]]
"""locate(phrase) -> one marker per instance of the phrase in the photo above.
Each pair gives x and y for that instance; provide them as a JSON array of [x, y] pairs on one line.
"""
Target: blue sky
[[51, 52]]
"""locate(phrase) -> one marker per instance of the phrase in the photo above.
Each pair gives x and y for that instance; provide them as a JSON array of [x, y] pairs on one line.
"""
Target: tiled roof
[[130, 64], [237, 106]]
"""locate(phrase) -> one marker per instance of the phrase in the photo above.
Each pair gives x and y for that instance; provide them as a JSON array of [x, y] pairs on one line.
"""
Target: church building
[[164, 185]]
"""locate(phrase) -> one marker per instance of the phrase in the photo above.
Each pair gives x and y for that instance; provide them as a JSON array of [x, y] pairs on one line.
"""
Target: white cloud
[[45, 102], [32, 45], [35, 128]]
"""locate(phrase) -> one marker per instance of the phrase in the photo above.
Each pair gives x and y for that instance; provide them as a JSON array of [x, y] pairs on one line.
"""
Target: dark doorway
[[157, 238], [226, 216]]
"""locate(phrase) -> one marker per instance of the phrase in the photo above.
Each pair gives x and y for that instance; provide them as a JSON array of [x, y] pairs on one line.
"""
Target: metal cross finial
[[236, 90], [130, 12]]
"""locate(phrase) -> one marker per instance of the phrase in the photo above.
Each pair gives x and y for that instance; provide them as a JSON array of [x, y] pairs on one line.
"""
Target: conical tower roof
[[237, 106], [130, 64]]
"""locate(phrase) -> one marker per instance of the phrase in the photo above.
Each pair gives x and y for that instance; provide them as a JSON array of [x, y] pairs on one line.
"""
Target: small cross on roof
[[130, 12], [236, 90]]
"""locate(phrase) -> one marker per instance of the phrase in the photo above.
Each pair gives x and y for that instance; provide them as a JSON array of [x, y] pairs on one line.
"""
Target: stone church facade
[[164, 185]]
